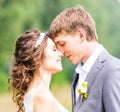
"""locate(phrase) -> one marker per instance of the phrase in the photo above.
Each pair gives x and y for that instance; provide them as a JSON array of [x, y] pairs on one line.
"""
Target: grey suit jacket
[[103, 86]]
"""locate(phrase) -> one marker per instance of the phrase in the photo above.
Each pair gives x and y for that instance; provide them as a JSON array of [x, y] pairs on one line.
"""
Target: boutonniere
[[83, 90]]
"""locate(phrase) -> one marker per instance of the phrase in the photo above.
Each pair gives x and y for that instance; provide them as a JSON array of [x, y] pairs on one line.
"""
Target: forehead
[[50, 43], [62, 37]]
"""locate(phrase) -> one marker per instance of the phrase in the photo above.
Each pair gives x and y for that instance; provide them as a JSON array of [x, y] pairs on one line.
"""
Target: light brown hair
[[70, 20]]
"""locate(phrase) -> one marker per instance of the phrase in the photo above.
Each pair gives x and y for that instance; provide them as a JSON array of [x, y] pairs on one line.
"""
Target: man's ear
[[82, 33]]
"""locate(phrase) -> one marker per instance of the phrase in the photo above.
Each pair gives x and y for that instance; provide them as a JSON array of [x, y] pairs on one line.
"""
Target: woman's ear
[[36, 61]]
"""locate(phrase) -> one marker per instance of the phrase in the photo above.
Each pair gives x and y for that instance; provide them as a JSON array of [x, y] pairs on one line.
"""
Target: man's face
[[72, 46]]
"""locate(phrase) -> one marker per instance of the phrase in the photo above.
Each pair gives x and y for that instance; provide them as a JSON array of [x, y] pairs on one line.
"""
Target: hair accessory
[[40, 39]]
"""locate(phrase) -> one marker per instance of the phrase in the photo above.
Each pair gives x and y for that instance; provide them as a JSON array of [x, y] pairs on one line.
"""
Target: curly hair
[[27, 59]]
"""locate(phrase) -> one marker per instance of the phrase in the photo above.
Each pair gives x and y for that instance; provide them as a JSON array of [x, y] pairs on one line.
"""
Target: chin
[[57, 70], [73, 62]]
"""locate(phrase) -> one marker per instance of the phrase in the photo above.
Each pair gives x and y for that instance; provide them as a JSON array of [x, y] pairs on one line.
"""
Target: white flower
[[83, 90]]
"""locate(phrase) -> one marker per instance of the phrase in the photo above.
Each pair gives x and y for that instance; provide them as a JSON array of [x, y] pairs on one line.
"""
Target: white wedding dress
[[28, 101]]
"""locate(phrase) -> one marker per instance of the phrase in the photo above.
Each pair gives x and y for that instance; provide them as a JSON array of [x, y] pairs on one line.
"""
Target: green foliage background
[[17, 16]]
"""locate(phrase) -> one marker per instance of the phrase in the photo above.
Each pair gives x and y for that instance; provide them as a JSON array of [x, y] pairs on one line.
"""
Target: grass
[[6, 103]]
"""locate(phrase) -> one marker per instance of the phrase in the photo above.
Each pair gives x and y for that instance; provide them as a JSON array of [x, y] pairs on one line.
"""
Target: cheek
[[48, 62], [67, 49], [53, 66]]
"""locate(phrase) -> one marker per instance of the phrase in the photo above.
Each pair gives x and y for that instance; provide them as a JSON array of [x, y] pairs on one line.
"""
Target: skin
[[75, 46], [52, 61], [52, 64]]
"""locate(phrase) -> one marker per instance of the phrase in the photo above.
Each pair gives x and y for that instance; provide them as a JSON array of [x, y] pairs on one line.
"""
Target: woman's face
[[52, 61]]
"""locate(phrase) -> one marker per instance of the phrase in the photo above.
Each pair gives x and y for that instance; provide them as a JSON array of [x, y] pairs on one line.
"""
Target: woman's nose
[[60, 53]]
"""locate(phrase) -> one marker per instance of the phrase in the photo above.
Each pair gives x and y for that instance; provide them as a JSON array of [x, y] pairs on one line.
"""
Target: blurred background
[[17, 16]]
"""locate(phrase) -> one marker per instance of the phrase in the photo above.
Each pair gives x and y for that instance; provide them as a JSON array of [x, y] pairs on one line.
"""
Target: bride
[[36, 58]]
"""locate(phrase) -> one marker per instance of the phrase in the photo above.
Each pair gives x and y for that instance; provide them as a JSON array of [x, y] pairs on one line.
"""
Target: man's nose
[[61, 50]]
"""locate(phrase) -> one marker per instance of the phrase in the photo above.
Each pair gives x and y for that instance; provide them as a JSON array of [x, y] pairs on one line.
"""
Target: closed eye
[[61, 43], [54, 48]]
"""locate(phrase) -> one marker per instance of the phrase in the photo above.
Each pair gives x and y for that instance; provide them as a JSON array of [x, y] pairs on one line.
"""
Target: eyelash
[[62, 44], [54, 49]]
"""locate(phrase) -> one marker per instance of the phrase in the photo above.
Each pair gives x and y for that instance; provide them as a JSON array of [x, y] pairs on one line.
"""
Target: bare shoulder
[[43, 101]]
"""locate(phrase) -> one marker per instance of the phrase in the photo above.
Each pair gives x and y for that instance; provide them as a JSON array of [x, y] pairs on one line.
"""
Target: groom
[[96, 83]]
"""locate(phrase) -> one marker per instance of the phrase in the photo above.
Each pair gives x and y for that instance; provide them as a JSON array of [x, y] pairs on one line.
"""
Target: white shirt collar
[[88, 64]]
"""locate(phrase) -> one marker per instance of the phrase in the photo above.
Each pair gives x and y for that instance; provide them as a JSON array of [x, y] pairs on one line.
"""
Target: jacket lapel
[[97, 66]]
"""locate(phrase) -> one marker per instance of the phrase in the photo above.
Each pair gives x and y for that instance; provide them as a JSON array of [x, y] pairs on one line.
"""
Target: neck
[[91, 47], [41, 78], [46, 79]]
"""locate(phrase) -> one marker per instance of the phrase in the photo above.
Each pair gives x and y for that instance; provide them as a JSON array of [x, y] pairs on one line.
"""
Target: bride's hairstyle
[[27, 58]]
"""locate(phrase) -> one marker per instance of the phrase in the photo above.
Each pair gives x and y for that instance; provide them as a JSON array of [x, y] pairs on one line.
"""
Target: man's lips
[[68, 56]]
